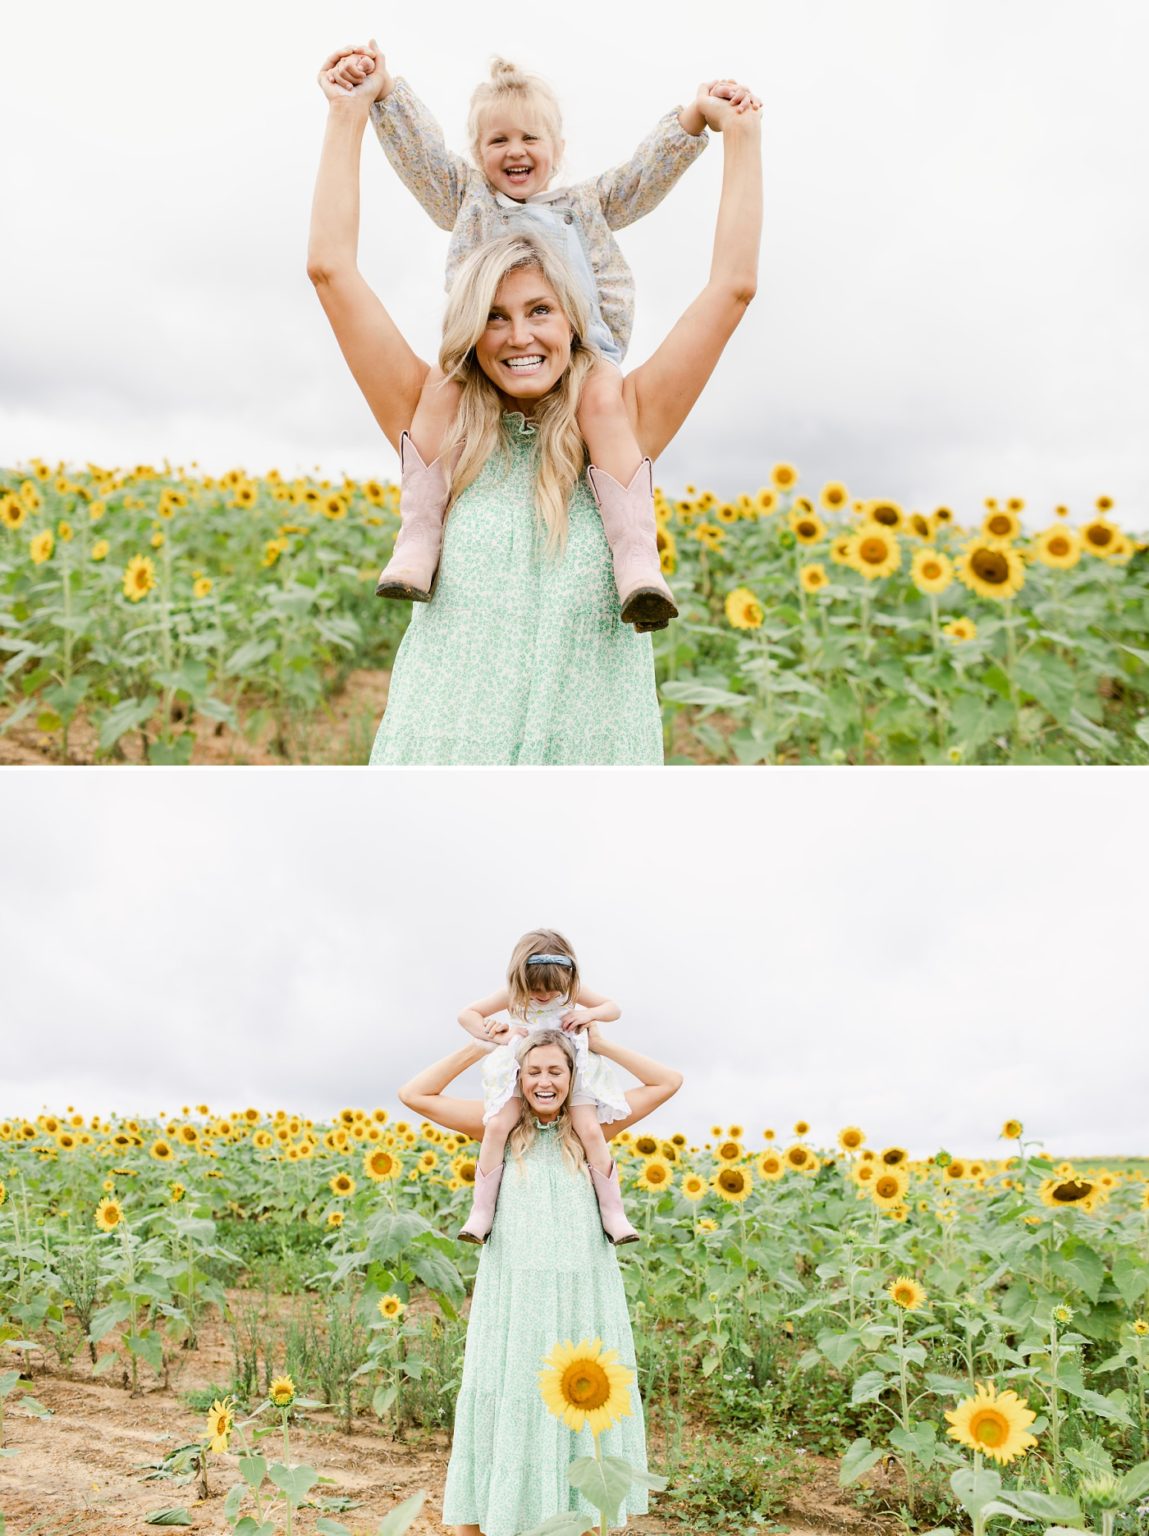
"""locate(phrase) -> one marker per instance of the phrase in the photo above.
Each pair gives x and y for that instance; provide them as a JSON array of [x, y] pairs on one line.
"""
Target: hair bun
[[506, 74]]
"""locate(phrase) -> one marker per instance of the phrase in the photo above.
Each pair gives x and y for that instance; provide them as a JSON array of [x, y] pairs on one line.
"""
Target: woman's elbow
[[324, 269], [404, 1096], [674, 1081], [742, 293]]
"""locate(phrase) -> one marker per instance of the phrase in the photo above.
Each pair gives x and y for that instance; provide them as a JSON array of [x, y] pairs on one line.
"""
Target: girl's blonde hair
[[508, 84], [478, 430], [523, 979], [523, 1135]]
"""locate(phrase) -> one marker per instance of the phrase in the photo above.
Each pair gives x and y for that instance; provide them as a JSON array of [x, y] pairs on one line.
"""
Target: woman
[[547, 1274], [522, 656]]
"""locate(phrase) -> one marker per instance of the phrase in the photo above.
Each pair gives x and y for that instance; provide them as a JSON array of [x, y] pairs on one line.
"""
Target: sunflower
[[1099, 536], [710, 536], [801, 1128], [139, 577], [931, 571], [806, 526], [893, 1157], [840, 549], [960, 629], [743, 610], [201, 587], [993, 1423], [162, 1151], [874, 551], [42, 546], [342, 1185], [12, 512], [784, 476], [694, 1186], [797, 1156], [705, 1224], [991, 569], [667, 551], [1011, 1130], [887, 513], [1140, 1327], [380, 1164], [906, 1292], [464, 1169], [834, 496], [770, 1166], [646, 1146], [656, 1174], [583, 1385], [1073, 1189], [999, 523], [812, 578], [732, 1184], [1058, 546], [109, 1214], [391, 1307], [919, 526], [729, 1152], [282, 1391], [851, 1138], [888, 1188], [864, 1173], [220, 1420]]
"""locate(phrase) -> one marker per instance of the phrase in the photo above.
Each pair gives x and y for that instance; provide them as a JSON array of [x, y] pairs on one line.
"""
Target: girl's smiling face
[[516, 156], [526, 347], [545, 1080], [543, 998]]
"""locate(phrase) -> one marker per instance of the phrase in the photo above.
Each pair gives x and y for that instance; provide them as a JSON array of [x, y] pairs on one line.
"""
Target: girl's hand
[[576, 1019], [356, 71], [497, 1030], [741, 97]]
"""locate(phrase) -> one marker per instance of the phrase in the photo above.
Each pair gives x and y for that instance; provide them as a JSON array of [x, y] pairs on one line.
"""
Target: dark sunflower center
[[873, 551], [886, 516], [1059, 546], [992, 566], [1099, 535], [731, 1181], [1000, 524], [1072, 1190], [807, 529], [931, 570]]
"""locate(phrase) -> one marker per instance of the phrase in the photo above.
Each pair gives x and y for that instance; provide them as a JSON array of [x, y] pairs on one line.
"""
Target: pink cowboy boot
[[413, 568], [483, 1209], [609, 1196], [627, 514]]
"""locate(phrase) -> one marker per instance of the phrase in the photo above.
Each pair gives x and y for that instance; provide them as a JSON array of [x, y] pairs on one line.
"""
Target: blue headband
[[551, 960]]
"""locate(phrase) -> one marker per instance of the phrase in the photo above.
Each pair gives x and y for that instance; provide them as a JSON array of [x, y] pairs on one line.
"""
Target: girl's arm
[[385, 368], [659, 1083], [631, 191], [474, 1017], [424, 1094], [661, 393]]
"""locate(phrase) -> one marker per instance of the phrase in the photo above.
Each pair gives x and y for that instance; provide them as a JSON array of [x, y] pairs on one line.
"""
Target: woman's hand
[[593, 1035], [356, 71], [739, 96], [720, 109]]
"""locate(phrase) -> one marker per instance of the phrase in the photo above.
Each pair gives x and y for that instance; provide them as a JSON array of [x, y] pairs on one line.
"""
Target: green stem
[[935, 637], [908, 1460], [602, 1513], [1010, 669], [862, 675]]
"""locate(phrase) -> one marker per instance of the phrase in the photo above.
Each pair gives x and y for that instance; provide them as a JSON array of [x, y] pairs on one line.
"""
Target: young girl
[[543, 991], [515, 132]]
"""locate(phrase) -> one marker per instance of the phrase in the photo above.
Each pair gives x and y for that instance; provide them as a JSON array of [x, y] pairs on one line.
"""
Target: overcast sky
[[921, 953], [953, 300]]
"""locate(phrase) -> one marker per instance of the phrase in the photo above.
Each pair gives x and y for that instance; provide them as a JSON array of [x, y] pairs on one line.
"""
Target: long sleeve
[[634, 189], [413, 142]]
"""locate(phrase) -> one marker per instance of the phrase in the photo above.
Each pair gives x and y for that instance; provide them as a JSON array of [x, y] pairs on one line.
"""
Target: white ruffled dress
[[594, 1074]]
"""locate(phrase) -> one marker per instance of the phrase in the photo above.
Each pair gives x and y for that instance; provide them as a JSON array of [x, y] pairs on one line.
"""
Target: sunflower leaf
[[858, 1460], [1135, 1484], [869, 1387], [564, 1525], [975, 1489], [601, 1483], [168, 1517], [647, 1479], [401, 1516], [1035, 1505]]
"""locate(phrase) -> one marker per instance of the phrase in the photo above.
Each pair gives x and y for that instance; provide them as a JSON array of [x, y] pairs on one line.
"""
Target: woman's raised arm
[[662, 392], [424, 1093], [659, 1082], [385, 368]]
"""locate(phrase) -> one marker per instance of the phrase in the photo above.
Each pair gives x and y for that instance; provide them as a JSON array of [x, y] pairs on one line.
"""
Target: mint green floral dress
[[546, 1274], [520, 657]]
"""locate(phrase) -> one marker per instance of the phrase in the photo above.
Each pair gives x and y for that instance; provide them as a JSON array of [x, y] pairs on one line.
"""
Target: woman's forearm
[[738, 236], [334, 236], [435, 1078], [654, 1074]]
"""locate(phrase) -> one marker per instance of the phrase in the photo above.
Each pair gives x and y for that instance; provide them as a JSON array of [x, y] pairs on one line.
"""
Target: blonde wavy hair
[[523, 1136], [523, 978], [478, 430], [508, 83]]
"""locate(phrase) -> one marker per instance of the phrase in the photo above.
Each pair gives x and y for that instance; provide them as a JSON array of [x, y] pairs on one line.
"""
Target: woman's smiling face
[[545, 1078], [526, 347]]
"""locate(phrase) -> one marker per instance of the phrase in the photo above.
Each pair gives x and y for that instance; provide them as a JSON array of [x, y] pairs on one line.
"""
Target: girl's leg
[[489, 1172], [410, 573], [603, 1174], [622, 483]]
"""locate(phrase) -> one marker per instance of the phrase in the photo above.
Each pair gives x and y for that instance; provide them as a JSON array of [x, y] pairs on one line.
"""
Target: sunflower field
[[155, 604], [926, 1327]]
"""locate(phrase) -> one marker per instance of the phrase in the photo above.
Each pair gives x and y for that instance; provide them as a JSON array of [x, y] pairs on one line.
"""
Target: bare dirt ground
[[80, 1472], [341, 732]]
